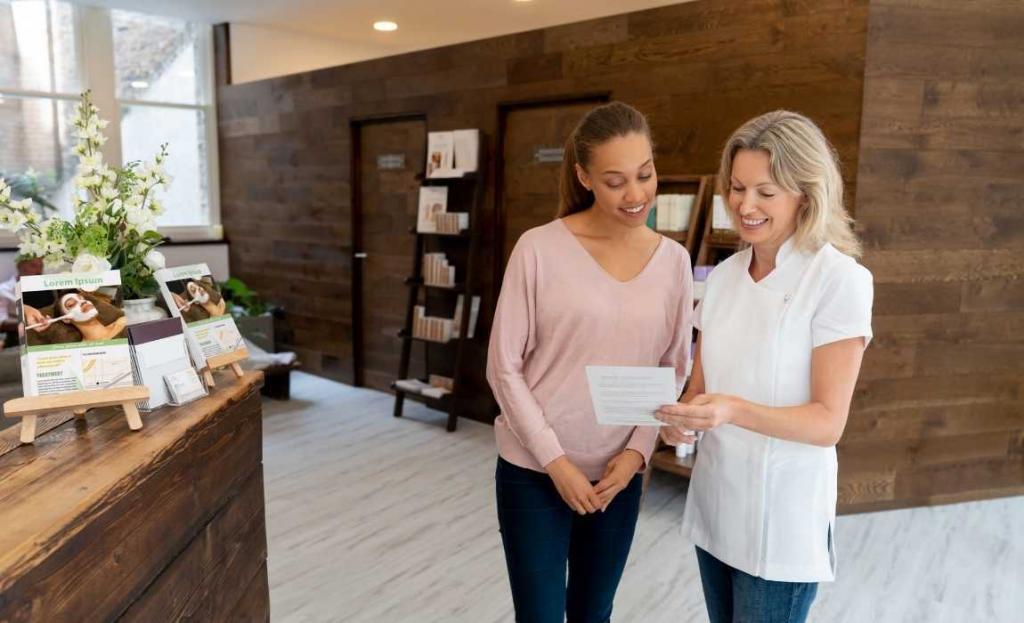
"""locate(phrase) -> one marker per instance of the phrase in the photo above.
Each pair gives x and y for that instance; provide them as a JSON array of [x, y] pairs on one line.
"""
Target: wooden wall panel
[[924, 107], [698, 69], [939, 413]]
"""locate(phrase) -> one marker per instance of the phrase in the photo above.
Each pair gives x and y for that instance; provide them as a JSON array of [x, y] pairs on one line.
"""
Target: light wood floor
[[385, 520]]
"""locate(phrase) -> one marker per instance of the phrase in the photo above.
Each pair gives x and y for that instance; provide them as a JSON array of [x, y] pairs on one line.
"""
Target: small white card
[[630, 395], [184, 386]]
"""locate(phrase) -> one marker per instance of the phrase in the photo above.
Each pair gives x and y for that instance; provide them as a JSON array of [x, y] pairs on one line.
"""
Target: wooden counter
[[99, 523]]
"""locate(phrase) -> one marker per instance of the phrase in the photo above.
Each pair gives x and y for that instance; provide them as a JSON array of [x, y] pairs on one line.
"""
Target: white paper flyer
[[72, 330], [190, 293]]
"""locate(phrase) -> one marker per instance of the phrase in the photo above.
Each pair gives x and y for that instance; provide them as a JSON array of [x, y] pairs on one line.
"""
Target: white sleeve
[[844, 310]]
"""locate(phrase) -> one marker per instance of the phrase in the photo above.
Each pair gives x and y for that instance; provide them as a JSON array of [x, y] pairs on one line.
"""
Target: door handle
[[360, 256]]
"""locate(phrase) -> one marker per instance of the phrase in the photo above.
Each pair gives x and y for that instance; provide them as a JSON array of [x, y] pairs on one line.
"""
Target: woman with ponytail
[[595, 286]]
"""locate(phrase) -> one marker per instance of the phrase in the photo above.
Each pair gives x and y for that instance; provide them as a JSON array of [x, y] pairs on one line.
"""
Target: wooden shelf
[[418, 283], [440, 404], [467, 193], [667, 461], [405, 336], [471, 176], [701, 187], [715, 244], [464, 235]]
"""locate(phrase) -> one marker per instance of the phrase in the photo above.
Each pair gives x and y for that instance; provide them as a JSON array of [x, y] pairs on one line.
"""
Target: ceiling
[[422, 24]]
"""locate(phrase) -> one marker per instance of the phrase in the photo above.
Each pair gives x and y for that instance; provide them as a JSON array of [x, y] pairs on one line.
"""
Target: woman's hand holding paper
[[703, 412]]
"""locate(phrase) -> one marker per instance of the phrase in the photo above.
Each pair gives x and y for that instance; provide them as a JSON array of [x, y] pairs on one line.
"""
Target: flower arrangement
[[114, 223]]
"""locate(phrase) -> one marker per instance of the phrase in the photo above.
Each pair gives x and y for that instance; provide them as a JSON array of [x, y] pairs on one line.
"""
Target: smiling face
[[196, 292], [80, 309], [764, 212], [622, 177]]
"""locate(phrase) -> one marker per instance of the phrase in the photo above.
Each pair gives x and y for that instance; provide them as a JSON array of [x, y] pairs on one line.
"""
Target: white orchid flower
[[92, 160]]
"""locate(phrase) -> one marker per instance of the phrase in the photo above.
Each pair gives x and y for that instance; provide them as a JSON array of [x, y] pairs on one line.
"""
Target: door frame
[[504, 109], [356, 126]]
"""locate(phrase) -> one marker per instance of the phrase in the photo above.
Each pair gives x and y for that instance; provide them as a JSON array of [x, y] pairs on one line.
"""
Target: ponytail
[[574, 196]]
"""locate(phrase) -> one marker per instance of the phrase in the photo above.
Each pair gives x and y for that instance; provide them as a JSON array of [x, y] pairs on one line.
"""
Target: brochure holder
[[184, 386], [29, 408]]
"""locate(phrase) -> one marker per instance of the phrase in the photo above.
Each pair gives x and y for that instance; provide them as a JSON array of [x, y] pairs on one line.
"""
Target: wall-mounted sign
[[548, 154], [390, 162]]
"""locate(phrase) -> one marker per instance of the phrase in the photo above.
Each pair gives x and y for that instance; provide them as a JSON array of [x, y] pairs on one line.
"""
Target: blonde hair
[[802, 161]]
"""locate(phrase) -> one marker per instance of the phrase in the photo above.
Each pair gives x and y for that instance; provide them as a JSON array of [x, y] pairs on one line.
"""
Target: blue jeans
[[542, 536], [733, 596]]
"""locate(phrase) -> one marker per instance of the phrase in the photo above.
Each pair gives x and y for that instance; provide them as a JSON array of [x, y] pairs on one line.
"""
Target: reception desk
[[99, 523]]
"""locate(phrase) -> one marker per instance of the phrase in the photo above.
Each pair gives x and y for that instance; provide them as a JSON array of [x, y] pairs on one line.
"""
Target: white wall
[[258, 52]]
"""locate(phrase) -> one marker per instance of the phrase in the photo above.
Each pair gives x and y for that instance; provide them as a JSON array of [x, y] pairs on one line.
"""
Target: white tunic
[[763, 505]]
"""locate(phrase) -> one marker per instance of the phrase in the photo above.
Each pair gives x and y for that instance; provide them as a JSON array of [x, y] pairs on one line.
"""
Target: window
[[160, 91], [39, 81]]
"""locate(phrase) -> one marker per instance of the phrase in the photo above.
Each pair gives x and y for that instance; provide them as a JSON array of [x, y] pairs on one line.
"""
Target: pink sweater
[[558, 312]]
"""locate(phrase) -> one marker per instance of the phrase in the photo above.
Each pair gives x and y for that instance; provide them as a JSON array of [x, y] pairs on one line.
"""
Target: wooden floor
[[377, 519]]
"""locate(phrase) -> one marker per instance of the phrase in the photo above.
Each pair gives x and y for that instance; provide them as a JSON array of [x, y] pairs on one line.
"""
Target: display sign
[[391, 162], [548, 154]]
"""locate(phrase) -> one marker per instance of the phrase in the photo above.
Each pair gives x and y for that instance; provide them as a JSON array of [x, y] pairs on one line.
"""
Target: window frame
[[94, 43]]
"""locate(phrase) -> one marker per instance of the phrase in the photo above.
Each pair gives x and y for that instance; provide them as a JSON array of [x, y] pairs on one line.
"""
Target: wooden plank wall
[[697, 69], [939, 413]]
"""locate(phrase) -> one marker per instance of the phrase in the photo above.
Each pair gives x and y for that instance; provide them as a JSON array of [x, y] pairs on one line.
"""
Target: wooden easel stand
[[227, 360], [29, 408]]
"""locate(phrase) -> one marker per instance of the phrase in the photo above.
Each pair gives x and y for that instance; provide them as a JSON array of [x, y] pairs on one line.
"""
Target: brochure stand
[[31, 407], [226, 360]]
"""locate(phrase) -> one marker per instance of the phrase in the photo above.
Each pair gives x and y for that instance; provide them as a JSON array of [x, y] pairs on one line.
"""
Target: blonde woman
[[783, 327]]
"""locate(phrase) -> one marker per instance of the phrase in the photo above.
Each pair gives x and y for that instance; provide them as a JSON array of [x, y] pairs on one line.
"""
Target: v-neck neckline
[[786, 251], [601, 268]]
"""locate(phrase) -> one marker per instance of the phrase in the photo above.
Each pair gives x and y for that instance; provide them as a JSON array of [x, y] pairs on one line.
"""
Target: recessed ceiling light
[[385, 26], [140, 84]]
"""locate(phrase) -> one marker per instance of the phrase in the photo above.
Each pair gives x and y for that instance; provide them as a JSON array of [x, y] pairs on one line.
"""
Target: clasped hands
[[702, 412], [582, 496]]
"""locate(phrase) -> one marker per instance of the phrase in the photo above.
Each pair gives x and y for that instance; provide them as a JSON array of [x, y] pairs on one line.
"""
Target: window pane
[[38, 46], [158, 59], [36, 135], [144, 129]]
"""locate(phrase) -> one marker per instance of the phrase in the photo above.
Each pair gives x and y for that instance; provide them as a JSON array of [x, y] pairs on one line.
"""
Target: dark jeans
[[542, 535], [733, 596]]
